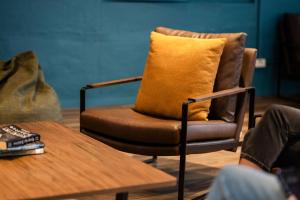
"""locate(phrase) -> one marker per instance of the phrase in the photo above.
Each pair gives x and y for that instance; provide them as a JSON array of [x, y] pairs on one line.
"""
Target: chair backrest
[[245, 81], [229, 70], [290, 45], [234, 67]]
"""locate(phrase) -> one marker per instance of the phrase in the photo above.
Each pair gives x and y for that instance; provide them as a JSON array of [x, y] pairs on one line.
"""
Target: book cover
[[14, 136], [22, 152]]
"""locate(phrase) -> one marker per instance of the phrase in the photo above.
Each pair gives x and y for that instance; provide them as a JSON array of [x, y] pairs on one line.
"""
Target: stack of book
[[16, 141]]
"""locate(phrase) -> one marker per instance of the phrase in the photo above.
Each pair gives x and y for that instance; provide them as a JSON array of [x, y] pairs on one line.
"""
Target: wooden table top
[[74, 165]]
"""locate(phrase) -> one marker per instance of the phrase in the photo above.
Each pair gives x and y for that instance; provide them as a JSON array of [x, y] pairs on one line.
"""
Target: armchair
[[127, 130]]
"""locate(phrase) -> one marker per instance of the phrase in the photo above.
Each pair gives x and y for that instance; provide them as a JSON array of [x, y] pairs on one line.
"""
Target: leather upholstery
[[129, 131], [137, 148], [248, 69], [229, 71], [245, 81], [164, 150], [125, 124]]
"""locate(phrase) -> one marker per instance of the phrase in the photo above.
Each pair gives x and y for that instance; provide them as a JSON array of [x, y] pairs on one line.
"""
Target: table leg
[[122, 196]]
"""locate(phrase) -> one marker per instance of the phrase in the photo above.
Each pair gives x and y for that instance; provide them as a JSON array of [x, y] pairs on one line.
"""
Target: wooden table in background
[[74, 165]]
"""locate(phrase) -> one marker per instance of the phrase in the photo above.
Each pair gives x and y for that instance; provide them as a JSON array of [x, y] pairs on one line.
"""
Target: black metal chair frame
[[249, 91]]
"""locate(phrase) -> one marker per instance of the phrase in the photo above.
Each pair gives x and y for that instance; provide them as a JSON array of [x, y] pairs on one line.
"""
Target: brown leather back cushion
[[229, 71]]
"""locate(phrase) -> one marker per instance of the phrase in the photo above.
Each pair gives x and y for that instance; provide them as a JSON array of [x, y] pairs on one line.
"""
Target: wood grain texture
[[74, 165]]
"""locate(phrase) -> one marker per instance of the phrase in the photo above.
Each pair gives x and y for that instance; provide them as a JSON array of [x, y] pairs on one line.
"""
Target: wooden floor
[[201, 168]]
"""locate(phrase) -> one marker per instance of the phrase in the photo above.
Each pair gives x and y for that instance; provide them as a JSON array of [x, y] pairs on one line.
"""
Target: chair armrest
[[219, 94], [103, 84], [223, 93], [214, 95], [113, 82]]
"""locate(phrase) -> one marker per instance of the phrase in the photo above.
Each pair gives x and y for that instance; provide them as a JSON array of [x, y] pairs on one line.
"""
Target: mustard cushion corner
[[178, 68]]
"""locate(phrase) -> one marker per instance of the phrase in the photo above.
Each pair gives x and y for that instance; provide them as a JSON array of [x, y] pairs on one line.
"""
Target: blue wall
[[266, 79], [80, 42]]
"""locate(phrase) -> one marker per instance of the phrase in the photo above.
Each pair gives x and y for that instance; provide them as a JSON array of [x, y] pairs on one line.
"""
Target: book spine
[[17, 143], [30, 146], [20, 153]]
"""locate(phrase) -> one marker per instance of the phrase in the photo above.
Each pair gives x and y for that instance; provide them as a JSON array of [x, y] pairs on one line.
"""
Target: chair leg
[[122, 196], [181, 175], [182, 150], [152, 160]]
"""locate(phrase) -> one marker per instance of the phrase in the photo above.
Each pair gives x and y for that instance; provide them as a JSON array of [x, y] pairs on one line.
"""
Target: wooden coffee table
[[74, 165]]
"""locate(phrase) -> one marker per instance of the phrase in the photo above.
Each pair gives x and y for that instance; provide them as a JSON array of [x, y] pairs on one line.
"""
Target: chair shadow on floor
[[198, 179]]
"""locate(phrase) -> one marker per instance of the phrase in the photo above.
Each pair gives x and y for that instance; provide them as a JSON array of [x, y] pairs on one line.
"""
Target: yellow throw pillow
[[178, 68]]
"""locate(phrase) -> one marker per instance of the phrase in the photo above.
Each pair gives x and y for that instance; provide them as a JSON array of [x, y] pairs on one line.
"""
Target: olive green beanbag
[[24, 94]]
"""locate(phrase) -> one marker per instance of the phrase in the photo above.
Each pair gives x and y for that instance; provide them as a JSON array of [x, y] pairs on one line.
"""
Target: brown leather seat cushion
[[123, 123]]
